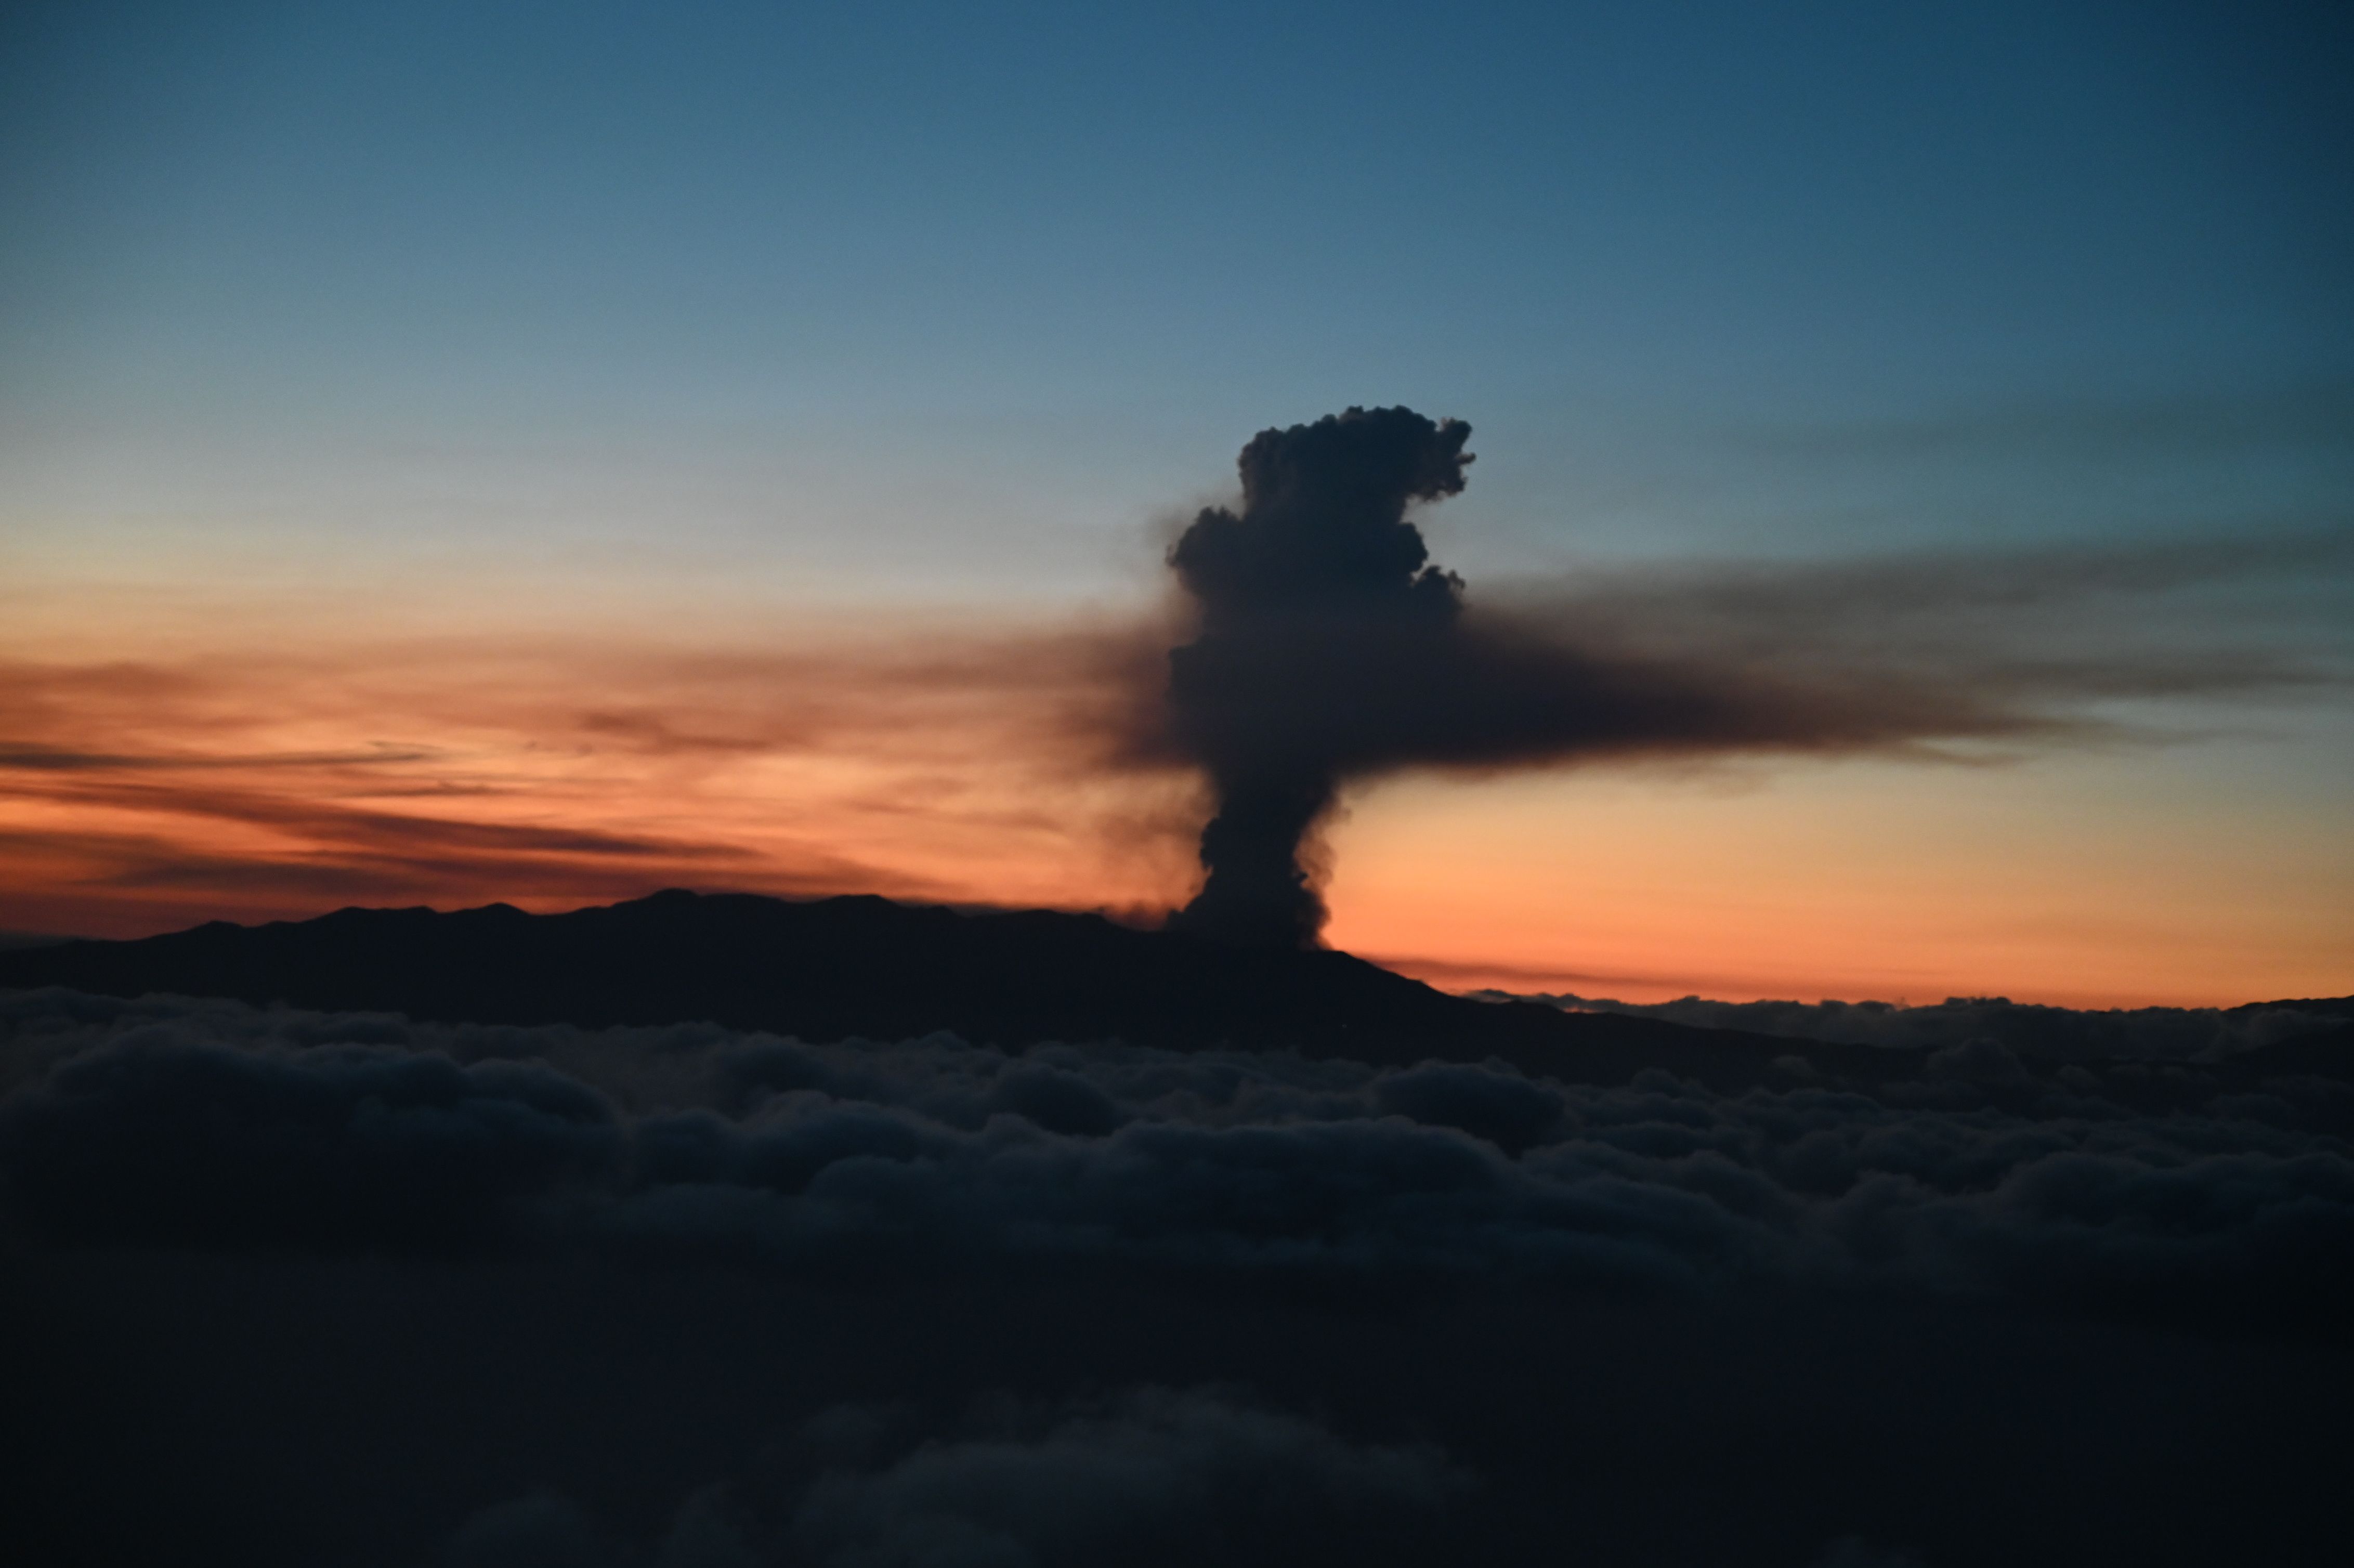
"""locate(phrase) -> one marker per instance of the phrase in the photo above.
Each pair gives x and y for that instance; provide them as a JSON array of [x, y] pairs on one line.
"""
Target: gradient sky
[[551, 452]]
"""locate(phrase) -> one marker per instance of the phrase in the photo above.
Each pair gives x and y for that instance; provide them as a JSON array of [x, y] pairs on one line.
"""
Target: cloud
[[1854, 1552], [538, 1531], [406, 836], [318, 1287], [2102, 1185], [937, 764], [2050, 1034], [2045, 624], [39, 758], [1145, 1476], [1150, 1476], [151, 1138]]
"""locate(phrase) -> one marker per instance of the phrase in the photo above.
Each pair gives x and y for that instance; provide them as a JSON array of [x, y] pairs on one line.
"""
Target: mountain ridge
[[860, 966]]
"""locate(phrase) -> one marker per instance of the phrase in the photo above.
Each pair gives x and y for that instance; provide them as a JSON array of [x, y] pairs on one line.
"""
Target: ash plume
[[1321, 552], [1328, 650]]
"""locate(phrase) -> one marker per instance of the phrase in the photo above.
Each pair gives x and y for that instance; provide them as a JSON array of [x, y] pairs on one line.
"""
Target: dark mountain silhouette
[[866, 967], [837, 968]]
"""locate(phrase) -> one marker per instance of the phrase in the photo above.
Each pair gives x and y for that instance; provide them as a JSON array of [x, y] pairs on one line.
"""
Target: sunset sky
[[553, 453]]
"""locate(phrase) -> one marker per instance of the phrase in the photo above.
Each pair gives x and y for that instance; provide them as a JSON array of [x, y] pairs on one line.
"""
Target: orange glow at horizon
[[141, 794], [2060, 882]]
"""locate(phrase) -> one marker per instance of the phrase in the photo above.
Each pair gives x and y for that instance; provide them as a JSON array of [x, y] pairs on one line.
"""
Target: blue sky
[[319, 319], [1825, 255]]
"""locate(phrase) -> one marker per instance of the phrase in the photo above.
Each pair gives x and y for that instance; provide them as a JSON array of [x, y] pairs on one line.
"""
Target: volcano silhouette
[[867, 967], [856, 967]]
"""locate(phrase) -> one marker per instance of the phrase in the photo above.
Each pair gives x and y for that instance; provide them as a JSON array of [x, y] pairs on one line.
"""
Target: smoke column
[[1319, 556], [1328, 650]]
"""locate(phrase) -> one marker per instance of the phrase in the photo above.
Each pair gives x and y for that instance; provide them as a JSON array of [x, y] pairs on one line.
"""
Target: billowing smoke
[[1320, 559], [1328, 650]]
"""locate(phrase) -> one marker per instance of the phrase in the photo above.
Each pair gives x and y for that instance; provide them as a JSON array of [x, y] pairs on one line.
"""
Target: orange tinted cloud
[[136, 796]]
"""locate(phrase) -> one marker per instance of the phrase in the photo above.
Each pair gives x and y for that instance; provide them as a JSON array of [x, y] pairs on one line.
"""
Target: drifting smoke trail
[[1329, 651]]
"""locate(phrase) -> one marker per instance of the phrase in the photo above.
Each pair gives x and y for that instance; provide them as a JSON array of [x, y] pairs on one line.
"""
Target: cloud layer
[[2056, 1035], [348, 1287], [2101, 1183], [1148, 1475]]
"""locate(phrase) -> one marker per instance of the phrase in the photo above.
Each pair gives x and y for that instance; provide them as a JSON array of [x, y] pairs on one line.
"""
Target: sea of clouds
[[2110, 1185], [2145, 1033], [160, 1154]]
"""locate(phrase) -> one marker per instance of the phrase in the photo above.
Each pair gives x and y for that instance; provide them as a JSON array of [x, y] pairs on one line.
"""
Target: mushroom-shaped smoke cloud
[[1329, 651], [1318, 570]]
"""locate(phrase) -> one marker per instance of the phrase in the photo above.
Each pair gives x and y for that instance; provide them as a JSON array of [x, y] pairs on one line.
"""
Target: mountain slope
[[837, 968]]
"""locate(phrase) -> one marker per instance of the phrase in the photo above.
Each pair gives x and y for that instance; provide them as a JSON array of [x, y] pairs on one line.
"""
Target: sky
[[555, 452]]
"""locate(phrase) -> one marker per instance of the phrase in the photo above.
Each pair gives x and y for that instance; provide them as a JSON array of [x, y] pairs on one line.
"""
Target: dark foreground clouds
[[2056, 1035], [1146, 1476], [692, 1296], [2113, 1185]]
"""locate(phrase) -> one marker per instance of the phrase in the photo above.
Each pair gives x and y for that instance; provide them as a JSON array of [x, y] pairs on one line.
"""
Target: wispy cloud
[[140, 796]]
